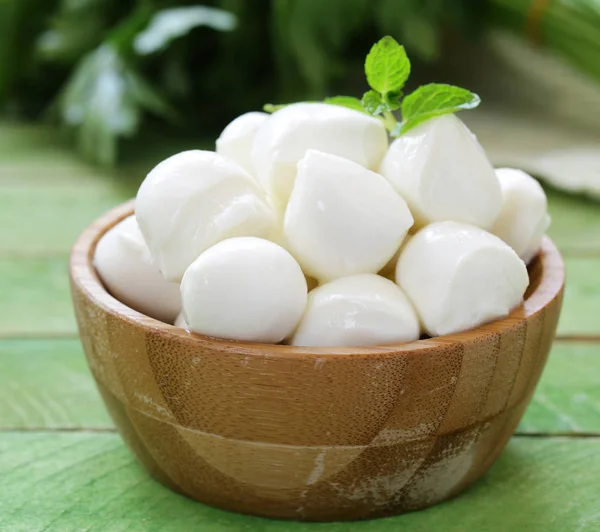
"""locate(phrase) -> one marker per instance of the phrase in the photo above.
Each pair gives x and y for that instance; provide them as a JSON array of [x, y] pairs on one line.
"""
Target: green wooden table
[[64, 468]]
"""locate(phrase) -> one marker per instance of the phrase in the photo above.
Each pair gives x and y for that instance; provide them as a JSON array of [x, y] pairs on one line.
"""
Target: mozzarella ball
[[193, 200], [459, 276], [443, 173], [180, 322], [358, 310], [342, 219], [237, 139], [524, 216], [244, 289], [287, 134], [126, 268]]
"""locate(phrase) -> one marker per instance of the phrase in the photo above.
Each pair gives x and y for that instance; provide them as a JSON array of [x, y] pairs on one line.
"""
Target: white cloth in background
[[566, 157], [538, 113]]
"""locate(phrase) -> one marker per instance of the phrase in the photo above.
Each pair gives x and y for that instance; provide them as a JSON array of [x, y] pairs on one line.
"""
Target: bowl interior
[[546, 279]]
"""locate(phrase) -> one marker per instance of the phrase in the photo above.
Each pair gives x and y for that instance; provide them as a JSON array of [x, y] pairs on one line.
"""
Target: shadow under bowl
[[313, 433]]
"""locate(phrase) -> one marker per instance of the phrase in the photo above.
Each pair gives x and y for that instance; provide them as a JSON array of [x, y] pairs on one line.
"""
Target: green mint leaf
[[387, 66], [272, 107], [393, 100], [346, 101], [373, 103], [433, 100]]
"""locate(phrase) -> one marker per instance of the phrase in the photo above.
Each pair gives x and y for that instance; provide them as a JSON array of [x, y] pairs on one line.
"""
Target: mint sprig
[[387, 66], [387, 69], [372, 103], [433, 100]]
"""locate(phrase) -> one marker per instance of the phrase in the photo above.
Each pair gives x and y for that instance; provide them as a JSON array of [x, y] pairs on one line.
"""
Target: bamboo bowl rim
[[548, 283]]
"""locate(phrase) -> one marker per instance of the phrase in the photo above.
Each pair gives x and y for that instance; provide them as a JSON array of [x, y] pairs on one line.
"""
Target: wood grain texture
[[83, 481], [314, 433], [47, 385]]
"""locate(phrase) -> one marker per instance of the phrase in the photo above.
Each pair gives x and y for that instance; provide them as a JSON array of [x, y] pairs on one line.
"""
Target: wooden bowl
[[313, 433]]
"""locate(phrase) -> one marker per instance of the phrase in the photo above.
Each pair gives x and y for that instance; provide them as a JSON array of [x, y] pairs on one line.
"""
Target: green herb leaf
[[387, 66], [347, 101], [393, 100], [433, 100], [373, 103], [272, 107]]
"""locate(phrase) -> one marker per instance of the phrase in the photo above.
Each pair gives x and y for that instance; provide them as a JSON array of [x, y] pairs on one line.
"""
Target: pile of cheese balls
[[305, 227]]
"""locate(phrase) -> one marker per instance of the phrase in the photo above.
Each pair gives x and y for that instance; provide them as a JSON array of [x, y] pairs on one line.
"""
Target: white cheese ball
[[285, 137], [244, 289], [459, 276], [343, 219], [524, 216], [443, 173], [125, 266], [193, 200], [363, 309], [236, 140]]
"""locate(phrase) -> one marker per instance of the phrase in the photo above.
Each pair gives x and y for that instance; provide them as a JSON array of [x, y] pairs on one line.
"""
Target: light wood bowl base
[[314, 433]]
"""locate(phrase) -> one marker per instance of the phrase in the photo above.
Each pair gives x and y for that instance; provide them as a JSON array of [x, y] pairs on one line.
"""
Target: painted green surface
[[45, 219], [24, 143], [46, 384], [89, 481], [35, 297], [581, 305], [567, 399], [575, 223]]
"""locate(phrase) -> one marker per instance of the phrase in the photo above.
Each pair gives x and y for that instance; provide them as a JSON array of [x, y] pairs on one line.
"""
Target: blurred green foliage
[[102, 68]]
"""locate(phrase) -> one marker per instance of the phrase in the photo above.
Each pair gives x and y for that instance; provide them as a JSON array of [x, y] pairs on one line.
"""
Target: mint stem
[[389, 121]]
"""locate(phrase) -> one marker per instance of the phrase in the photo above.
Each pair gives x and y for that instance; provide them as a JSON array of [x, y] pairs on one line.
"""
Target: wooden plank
[[57, 170], [48, 194], [86, 481], [575, 223], [581, 307], [35, 298], [47, 384], [24, 143], [567, 399], [46, 219], [40, 154]]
